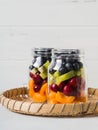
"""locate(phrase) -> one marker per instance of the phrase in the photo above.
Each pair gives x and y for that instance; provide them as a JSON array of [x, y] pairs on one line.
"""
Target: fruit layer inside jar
[[38, 83], [67, 84]]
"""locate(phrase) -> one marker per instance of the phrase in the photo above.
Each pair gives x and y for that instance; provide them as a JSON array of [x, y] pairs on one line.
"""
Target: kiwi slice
[[65, 76], [34, 70], [46, 64], [43, 75], [80, 72], [56, 74], [42, 69]]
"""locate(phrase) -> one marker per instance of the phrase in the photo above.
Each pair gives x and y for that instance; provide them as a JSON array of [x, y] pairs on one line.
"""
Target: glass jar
[[38, 74], [66, 80]]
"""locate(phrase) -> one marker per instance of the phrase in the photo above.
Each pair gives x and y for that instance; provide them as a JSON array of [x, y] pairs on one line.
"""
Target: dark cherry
[[37, 87], [31, 75], [68, 90], [37, 78], [61, 86], [73, 81], [54, 87]]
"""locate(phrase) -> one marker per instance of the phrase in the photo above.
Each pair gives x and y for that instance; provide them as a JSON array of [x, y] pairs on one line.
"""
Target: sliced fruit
[[56, 74], [31, 93], [46, 64], [52, 95], [34, 70], [53, 101], [42, 69], [37, 97], [80, 72], [64, 77], [43, 75], [43, 90], [31, 84], [60, 97]]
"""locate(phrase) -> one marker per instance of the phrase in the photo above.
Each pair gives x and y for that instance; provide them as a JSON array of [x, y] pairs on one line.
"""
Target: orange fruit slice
[[60, 97], [31, 84], [43, 90], [37, 97]]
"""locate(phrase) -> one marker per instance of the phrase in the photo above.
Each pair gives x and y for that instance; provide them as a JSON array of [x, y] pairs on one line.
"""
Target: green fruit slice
[[80, 72], [42, 69], [43, 75], [64, 77], [46, 64], [34, 70], [56, 74]]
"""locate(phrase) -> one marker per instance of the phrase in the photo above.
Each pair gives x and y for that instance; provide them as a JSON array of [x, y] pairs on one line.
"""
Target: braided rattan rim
[[17, 100]]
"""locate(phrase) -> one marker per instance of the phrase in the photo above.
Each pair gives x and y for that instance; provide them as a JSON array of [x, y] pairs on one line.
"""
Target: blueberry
[[80, 64], [31, 67], [62, 70], [69, 66], [76, 66], [51, 71], [69, 59]]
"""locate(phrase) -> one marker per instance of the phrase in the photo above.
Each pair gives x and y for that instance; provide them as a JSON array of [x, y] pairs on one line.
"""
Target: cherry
[[31, 75], [73, 82], [44, 81], [68, 90], [61, 86], [37, 87], [37, 78], [54, 87]]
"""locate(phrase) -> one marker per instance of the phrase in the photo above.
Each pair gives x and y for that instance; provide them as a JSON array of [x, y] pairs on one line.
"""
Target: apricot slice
[[52, 95], [60, 97], [37, 97], [43, 90], [31, 84]]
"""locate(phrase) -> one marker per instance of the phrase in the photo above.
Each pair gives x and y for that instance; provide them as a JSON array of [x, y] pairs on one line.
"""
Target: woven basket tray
[[17, 100]]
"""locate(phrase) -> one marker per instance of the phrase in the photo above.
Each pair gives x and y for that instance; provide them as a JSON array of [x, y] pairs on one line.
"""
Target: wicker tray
[[17, 100]]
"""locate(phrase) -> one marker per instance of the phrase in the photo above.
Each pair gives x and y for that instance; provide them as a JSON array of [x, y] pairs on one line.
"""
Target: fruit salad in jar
[[67, 82], [38, 74]]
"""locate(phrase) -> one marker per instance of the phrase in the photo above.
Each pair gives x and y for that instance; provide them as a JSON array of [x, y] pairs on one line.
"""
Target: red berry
[[37, 87], [54, 87], [61, 86], [37, 78], [67, 90], [73, 82], [44, 81], [31, 75]]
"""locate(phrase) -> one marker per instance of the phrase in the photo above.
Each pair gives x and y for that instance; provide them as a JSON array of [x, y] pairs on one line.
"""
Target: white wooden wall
[[25, 24]]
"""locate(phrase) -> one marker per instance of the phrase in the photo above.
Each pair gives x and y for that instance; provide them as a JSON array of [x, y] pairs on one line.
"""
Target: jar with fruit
[[67, 81], [38, 74]]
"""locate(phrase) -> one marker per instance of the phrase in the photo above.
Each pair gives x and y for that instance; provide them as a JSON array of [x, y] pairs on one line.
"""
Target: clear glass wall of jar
[[38, 74], [67, 78]]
